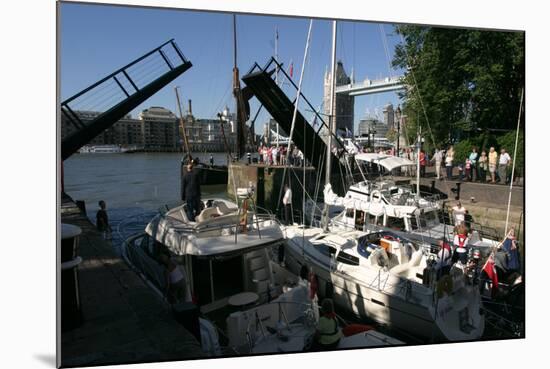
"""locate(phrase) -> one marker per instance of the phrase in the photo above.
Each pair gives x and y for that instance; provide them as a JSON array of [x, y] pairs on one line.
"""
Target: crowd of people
[[273, 155], [485, 167]]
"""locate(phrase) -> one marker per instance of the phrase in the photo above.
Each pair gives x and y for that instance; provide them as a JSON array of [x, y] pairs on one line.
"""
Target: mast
[[418, 144], [239, 112], [182, 124], [277, 73], [330, 121]]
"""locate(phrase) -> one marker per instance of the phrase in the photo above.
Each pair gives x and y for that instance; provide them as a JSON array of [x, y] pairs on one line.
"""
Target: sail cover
[[389, 162]]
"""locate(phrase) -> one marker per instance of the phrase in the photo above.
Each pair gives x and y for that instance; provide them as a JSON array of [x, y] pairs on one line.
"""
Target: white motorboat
[[384, 204], [389, 279], [229, 272], [102, 149]]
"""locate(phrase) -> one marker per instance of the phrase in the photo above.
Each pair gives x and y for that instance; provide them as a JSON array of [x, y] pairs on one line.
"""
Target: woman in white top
[[449, 162]]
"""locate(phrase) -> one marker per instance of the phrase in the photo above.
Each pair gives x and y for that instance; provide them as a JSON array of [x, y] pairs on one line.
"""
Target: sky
[[96, 40]]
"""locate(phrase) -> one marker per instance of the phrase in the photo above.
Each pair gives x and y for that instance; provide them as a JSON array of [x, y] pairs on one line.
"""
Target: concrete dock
[[123, 320]]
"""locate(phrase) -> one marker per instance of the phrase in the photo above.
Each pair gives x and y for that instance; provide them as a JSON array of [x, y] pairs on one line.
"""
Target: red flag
[[489, 269], [291, 69]]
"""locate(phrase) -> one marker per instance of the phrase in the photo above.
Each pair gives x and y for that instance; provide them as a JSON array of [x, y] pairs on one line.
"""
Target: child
[[467, 168], [102, 220]]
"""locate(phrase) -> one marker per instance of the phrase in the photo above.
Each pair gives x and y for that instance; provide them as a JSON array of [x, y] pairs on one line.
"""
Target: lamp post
[[398, 116]]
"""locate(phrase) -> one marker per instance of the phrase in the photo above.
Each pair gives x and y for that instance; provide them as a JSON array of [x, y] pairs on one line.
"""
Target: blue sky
[[96, 40]]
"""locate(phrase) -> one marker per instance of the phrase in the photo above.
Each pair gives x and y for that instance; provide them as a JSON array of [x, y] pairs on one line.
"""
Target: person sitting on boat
[[506, 258], [443, 262], [460, 243], [176, 282], [191, 191], [510, 246], [328, 333]]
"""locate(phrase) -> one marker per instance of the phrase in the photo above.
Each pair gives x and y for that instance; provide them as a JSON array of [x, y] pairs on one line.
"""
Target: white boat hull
[[432, 322]]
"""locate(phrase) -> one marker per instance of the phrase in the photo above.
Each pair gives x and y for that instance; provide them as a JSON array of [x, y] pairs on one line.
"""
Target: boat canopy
[[389, 162]]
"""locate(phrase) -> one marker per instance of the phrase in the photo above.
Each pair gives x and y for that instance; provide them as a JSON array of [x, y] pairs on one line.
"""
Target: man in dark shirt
[[191, 191]]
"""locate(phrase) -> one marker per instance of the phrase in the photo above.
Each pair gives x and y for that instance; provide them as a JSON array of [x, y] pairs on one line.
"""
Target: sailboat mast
[[277, 73], [182, 124], [418, 144], [236, 93], [330, 121]]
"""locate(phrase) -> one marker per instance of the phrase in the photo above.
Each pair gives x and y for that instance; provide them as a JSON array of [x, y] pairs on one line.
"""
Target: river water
[[134, 186]]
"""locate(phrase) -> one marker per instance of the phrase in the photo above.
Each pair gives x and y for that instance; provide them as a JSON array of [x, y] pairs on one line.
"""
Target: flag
[[490, 270], [291, 69]]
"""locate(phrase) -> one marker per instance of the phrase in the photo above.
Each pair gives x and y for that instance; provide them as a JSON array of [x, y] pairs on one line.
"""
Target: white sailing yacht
[[384, 276]]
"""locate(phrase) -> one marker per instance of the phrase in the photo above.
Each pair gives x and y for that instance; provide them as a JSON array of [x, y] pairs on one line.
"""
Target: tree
[[461, 82]]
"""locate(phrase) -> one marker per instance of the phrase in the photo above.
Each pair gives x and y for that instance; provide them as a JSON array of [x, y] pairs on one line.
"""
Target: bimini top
[[389, 162]]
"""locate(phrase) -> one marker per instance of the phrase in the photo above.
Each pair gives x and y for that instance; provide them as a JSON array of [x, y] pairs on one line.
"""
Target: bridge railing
[[121, 84]]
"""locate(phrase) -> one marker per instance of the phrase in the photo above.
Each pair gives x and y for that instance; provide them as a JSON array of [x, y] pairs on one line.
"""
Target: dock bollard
[[71, 313]]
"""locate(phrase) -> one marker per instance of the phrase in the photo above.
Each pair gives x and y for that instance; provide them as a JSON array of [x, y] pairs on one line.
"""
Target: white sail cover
[[374, 208], [389, 162]]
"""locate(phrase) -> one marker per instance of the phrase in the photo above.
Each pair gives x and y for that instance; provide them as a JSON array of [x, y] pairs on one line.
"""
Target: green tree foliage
[[462, 83]]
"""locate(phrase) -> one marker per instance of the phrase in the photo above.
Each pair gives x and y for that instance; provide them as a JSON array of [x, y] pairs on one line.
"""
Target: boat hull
[[368, 299], [213, 175]]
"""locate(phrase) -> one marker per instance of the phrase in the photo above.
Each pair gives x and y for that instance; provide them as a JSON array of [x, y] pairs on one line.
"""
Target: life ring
[[378, 199], [445, 285]]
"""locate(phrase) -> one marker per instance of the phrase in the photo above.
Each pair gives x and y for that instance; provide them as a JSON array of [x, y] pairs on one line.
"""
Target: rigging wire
[[513, 165], [297, 101], [417, 89], [386, 50]]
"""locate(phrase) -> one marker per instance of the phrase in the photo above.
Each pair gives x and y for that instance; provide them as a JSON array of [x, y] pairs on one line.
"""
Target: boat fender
[[444, 286], [352, 329], [375, 199], [313, 285]]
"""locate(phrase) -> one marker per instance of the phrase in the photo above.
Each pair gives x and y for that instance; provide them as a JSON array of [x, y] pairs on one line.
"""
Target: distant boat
[[102, 149]]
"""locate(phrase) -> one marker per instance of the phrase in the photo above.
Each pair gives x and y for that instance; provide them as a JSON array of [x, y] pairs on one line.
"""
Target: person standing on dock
[[275, 155], [493, 155], [483, 166], [102, 220], [504, 161], [211, 160], [422, 159], [287, 203], [191, 191], [474, 175], [449, 157], [438, 158]]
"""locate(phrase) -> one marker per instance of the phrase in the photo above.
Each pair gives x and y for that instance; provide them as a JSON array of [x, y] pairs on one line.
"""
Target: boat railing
[[282, 323]]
